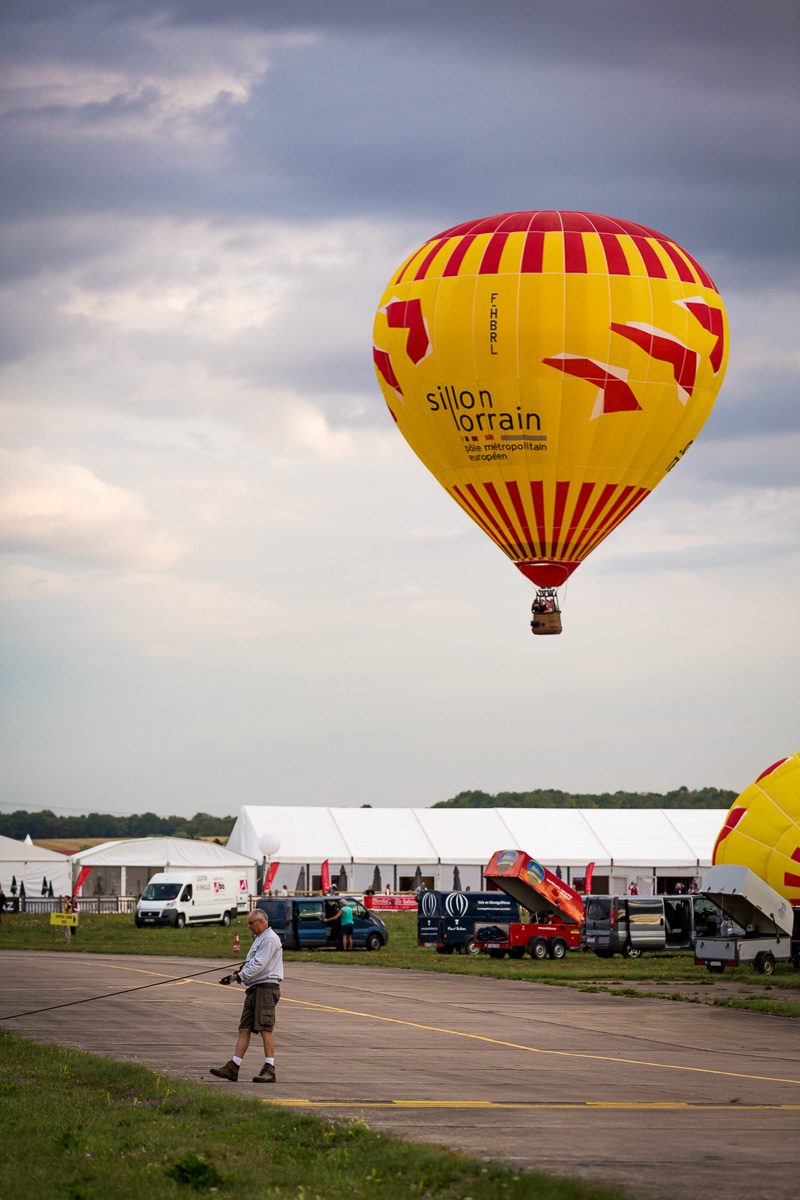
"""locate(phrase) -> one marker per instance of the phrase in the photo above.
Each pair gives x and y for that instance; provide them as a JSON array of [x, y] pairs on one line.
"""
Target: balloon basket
[[545, 612], [544, 623]]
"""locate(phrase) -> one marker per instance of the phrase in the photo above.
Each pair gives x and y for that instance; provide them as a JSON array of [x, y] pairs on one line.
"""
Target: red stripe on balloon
[[574, 525], [537, 495], [603, 499], [422, 270], [652, 263], [574, 254], [514, 533], [490, 263], [473, 491], [616, 261], [533, 254], [684, 271], [519, 508], [562, 491], [457, 257]]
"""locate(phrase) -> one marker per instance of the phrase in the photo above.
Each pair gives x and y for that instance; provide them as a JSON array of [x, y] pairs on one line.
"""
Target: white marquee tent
[[25, 862], [124, 867], [624, 844]]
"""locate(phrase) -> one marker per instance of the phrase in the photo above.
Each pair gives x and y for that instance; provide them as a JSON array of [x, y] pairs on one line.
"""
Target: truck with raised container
[[556, 910]]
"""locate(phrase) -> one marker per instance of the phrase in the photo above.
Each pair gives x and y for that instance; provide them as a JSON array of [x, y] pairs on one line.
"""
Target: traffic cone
[[236, 946]]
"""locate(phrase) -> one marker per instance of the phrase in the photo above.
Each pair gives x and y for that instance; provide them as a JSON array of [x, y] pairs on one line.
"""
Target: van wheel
[[444, 949], [470, 946], [630, 951], [557, 948], [138, 923], [373, 941], [765, 963], [180, 921], [226, 919], [517, 952], [537, 948]]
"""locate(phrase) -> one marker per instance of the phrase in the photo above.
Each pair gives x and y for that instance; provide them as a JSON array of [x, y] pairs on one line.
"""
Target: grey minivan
[[629, 925]]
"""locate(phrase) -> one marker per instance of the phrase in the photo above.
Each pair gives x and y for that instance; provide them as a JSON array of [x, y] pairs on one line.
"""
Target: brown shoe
[[229, 1071], [266, 1075]]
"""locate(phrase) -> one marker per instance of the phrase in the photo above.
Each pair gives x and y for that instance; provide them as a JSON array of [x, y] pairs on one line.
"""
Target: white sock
[[271, 1061], [238, 1061]]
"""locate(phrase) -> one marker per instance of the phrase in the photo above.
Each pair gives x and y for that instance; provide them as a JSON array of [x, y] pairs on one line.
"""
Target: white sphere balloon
[[269, 844]]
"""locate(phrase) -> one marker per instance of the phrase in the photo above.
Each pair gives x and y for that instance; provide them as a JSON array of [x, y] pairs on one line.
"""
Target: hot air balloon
[[550, 368], [762, 829]]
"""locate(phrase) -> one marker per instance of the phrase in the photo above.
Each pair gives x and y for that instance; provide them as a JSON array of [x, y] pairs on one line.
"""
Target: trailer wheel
[[630, 951], [537, 948], [765, 963], [470, 946], [517, 952], [557, 948], [497, 954], [714, 969]]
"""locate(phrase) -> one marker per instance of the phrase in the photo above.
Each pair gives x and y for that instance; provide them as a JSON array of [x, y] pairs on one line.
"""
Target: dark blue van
[[300, 924], [451, 920]]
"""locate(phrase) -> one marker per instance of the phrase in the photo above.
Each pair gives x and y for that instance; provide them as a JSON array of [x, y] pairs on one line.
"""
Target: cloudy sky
[[226, 579]]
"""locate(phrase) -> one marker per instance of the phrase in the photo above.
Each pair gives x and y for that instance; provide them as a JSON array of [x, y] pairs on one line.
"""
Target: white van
[[191, 898]]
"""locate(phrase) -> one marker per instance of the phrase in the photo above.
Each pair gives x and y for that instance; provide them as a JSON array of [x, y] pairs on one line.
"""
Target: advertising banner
[[391, 903]]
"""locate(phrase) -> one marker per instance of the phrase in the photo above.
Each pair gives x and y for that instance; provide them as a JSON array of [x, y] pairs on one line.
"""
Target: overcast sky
[[226, 578]]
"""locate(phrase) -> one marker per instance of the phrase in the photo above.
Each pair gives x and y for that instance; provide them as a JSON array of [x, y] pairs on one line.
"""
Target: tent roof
[[569, 837], [160, 852], [13, 851]]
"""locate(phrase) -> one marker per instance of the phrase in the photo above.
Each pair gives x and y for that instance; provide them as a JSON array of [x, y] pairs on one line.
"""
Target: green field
[[81, 1127], [660, 975]]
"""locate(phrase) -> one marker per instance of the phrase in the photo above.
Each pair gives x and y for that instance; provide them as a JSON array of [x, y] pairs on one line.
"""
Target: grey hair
[[258, 912]]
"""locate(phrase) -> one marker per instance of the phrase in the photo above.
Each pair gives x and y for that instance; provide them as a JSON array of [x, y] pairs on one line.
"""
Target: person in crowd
[[261, 973], [333, 919], [2, 903], [633, 890], [346, 915]]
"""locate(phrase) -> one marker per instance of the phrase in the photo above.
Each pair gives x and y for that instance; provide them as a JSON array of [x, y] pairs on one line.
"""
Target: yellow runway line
[[477, 1037], [645, 1106]]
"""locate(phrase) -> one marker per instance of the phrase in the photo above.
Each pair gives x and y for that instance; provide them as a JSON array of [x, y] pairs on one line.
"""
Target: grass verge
[[81, 1127], [118, 935]]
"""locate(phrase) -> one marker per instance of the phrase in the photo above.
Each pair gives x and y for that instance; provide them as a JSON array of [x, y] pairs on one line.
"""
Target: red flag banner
[[271, 873], [80, 880], [589, 873], [326, 876]]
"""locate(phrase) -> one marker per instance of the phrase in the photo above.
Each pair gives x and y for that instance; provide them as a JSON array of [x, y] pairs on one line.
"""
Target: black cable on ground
[[108, 995]]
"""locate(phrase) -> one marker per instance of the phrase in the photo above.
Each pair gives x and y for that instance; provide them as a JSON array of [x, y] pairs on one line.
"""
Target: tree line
[[681, 797], [47, 824]]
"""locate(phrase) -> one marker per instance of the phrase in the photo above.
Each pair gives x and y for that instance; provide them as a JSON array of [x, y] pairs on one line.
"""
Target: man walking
[[261, 973]]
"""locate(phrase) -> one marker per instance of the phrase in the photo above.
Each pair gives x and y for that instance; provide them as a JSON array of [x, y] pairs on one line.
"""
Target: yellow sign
[[63, 918], [550, 368]]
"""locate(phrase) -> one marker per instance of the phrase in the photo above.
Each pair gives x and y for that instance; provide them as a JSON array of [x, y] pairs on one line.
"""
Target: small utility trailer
[[754, 924]]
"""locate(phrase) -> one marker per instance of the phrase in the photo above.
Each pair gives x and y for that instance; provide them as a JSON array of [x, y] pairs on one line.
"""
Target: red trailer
[[557, 910]]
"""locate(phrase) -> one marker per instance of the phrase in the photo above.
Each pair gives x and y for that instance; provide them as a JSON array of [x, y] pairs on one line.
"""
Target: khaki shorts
[[258, 1010]]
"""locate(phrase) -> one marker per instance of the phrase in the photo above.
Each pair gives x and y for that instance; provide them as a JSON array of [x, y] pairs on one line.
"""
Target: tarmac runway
[[676, 1101]]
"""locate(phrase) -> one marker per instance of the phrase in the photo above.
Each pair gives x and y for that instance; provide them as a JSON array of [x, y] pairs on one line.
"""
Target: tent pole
[[351, 887], [438, 874]]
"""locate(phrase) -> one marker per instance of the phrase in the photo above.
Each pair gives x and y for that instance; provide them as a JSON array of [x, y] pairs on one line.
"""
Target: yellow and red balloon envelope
[[549, 368], [762, 829]]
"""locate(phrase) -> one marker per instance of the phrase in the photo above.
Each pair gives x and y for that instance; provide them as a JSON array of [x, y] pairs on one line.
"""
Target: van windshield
[[161, 891]]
